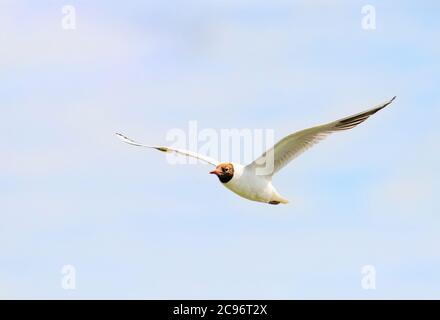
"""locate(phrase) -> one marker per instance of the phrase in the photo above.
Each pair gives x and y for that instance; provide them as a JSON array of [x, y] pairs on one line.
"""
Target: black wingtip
[[387, 103], [121, 136]]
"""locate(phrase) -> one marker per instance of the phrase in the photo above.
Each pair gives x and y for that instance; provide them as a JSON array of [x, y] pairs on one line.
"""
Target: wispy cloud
[[71, 193]]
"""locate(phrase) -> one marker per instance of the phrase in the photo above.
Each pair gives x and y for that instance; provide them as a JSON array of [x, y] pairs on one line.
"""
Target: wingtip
[[120, 135], [389, 102]]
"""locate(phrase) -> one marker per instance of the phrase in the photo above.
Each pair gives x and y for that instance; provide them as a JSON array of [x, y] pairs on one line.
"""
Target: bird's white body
[[246, 180], [254, 187]]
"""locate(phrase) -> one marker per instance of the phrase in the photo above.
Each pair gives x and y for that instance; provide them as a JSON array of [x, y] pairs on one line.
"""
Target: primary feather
[[295, 144]]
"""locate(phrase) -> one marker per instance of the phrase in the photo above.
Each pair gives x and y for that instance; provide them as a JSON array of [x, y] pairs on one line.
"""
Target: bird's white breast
[[250, 186]]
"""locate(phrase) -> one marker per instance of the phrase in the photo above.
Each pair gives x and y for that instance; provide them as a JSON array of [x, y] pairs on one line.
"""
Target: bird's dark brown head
[[224, 172]]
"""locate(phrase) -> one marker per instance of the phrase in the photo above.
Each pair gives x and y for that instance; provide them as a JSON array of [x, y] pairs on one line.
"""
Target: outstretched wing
[[168, 149], [295, 144]]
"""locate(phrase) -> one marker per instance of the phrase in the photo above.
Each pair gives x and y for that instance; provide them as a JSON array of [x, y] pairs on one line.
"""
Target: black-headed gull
[[252, 181]]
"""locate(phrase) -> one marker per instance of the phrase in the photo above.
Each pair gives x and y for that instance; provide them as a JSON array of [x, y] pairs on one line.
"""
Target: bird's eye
[[226, 169]]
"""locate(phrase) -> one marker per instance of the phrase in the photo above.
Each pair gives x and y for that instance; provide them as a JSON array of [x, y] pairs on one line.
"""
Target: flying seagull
[[252, 181]]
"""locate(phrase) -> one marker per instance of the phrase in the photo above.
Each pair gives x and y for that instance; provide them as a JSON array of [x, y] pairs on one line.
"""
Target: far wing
[[168, 149]]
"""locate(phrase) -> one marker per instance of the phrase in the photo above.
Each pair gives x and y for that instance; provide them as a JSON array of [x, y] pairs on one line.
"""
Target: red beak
[[217, 172]]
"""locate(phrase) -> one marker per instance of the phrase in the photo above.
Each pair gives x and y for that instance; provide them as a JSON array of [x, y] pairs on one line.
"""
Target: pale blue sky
[[136, 227]]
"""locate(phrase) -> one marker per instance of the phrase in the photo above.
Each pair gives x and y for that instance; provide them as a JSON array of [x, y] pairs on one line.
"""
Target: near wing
[[168, 149], [293, 145]]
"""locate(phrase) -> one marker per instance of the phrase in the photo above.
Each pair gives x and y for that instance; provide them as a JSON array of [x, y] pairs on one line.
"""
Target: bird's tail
[[277, 198]]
